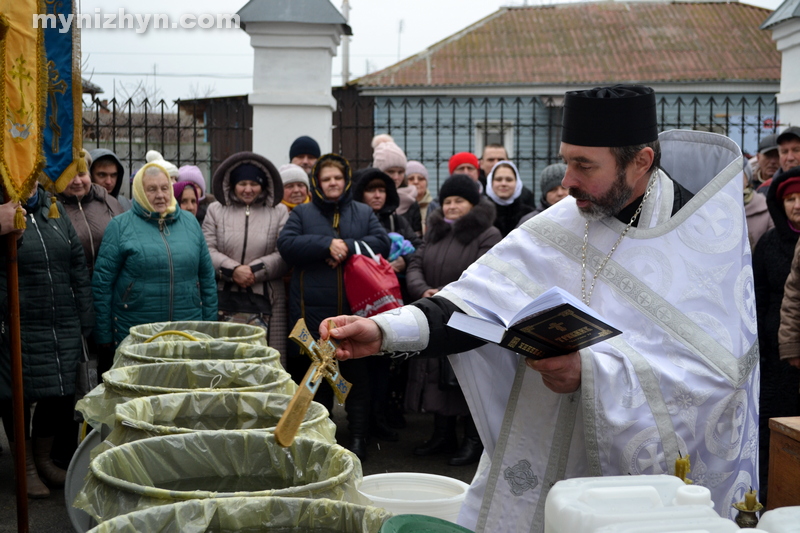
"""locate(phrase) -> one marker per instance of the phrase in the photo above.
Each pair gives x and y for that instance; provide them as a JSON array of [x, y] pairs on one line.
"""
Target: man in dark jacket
[[304, 153], [108, 172]]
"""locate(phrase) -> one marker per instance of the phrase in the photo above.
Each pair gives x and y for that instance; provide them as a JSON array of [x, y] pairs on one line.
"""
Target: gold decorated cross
[[21, 73], [323, 365], [54, 85]]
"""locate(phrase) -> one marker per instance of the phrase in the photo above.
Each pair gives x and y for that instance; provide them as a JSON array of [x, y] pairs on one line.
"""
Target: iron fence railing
[[195, 132], [430, 129]]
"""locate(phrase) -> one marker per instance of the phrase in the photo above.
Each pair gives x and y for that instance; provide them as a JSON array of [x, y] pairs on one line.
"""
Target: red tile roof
[[598, 42]]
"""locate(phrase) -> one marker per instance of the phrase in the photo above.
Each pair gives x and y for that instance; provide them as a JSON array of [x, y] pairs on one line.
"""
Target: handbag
[[247, 301], [370, 283], [85, 377]]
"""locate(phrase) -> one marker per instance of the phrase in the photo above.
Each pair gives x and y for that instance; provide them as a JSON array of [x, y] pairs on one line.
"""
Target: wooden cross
[[323, 365]]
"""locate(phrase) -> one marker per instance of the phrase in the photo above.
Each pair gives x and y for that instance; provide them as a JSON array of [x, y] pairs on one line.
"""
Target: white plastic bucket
[[415, 493]]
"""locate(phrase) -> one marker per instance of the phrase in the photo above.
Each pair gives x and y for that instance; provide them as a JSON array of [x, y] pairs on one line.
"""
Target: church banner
[[62, 127], [22, 93]]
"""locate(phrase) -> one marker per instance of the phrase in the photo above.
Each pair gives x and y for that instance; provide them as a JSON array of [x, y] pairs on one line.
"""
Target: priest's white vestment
[[681, 379]]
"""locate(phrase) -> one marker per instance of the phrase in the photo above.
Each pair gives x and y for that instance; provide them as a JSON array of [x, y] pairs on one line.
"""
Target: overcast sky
[[186, 63]]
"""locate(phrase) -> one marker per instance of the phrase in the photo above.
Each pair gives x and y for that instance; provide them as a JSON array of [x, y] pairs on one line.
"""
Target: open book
[[555, 323]]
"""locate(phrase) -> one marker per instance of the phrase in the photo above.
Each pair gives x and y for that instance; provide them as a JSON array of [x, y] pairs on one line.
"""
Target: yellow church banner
[[23, 95]]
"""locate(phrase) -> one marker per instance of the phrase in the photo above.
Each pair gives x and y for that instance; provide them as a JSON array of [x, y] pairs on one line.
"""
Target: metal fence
[[430, 129], [190, 132]]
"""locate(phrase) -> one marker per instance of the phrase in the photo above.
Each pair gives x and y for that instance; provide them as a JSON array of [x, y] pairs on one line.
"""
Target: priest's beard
[[610, 203]]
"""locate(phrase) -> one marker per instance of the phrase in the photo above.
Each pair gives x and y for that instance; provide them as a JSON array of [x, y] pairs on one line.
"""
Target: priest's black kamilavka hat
[[621, 115]]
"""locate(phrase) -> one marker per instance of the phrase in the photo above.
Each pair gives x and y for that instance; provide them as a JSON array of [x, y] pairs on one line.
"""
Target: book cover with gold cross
[[555, 323]]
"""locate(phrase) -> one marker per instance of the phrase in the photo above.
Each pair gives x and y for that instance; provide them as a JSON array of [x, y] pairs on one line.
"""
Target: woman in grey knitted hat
[[551, 189]]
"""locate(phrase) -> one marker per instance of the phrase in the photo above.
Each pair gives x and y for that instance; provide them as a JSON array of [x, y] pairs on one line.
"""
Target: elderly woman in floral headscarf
[[153, 265]]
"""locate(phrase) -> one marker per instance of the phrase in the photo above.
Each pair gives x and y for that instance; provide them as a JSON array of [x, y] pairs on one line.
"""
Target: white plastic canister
[[711, 524], [582, 505], [781, 520]]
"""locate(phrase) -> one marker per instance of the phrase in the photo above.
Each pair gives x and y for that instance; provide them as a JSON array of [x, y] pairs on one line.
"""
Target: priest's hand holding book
[[561, 373]]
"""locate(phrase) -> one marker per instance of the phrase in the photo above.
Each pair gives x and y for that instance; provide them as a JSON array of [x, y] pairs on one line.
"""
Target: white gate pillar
[[785, 25], [294, 42]]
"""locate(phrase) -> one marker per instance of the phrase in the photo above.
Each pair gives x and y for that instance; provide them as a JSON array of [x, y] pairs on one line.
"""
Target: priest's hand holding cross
[[360, 337]]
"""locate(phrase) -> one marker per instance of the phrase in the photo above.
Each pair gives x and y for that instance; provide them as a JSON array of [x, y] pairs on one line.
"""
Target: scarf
[[140, 196], [292, 206]]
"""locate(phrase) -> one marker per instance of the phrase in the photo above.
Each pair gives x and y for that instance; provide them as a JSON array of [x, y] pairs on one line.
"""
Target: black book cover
[[557, 331]]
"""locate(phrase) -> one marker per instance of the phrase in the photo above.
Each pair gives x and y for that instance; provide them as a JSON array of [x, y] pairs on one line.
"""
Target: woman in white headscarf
[[504, 187]]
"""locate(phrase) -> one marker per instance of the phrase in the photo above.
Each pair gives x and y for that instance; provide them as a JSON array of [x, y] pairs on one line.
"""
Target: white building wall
[[787, 36]]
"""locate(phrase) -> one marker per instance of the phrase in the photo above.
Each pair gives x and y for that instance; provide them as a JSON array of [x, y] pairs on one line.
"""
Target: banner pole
[[12, 278]]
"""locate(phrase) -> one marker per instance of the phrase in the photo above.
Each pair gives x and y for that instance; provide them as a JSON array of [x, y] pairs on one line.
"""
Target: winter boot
[[50, 473], [379, 429], [471, 448], [443, 439], [36, 489], [358, 424]]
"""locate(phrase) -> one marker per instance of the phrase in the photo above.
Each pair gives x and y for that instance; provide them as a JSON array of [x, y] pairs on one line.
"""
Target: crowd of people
[[266, 248], [269, 246]]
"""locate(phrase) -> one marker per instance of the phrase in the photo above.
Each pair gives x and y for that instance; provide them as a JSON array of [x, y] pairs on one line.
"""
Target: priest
[[653, 238]]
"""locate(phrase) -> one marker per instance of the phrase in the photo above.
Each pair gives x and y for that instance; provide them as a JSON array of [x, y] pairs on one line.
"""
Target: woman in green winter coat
[[153, 265], [55, 310]]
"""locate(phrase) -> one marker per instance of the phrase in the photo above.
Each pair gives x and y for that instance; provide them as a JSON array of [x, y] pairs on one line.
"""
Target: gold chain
[[587, 297]]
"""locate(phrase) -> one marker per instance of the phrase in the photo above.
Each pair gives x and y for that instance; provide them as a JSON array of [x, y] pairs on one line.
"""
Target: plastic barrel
[[170, 351], [223, 331], [252, 515], [78, 467], [415, 493], [187, 412], [123, 384], [215, 464]]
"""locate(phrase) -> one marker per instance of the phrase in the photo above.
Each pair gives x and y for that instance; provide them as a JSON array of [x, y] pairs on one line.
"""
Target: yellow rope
[[172, 332]]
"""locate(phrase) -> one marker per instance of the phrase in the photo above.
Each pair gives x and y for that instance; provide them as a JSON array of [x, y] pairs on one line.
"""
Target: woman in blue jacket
[[153, 265], [317, 240]]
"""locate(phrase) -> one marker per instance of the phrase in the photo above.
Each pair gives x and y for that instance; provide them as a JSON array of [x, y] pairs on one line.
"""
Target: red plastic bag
[[370, 283]]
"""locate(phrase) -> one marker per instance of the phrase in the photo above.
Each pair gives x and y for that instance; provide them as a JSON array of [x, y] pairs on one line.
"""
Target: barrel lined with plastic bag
[[195, 330], [123, 384], [168, 350], [187, 412], [216, 464], [266, 515]]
